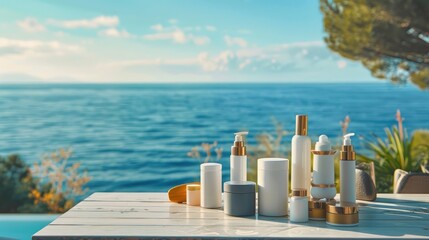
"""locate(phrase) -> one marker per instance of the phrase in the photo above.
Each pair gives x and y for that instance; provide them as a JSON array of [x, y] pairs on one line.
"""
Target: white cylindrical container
[[347, 181], [301, 159], [323, 184], [238, 168], [299, 206], [238, 159], [347, 172], [273, 186], [211, 185], [193, 194]]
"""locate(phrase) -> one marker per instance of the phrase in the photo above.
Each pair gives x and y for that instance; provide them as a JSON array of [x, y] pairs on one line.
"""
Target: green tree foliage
[[389, 37], [51, 186], [15, 184]]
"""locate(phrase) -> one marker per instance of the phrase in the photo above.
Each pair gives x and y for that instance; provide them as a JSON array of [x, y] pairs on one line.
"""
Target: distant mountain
[[19, 79]]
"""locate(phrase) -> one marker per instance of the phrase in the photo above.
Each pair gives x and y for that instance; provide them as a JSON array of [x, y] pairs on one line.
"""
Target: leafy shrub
[[51, 186], [15, 184], [396, 151], [208, 149]]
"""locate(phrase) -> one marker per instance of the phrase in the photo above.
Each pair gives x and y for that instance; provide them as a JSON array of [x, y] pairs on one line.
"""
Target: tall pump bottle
[[347, 172], [238, 159], [301, 149]]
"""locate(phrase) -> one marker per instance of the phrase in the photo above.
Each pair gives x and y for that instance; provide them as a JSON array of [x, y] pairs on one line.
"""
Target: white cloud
[[202, 40], [153, 62], [175, 35], [276, 58], [173, 21], [210, 28], [115, 33], [31, 25], [157, 27], [97, 22], [341, 64], [235, 41], [60, 34], [19, 47], [179, 35]]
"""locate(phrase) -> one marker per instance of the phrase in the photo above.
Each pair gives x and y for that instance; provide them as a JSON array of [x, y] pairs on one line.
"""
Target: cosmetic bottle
[[239, 198], [273, 186], [299, 206], [238, 159], [301, 147], [317, 208], [193, 194], [347, 172], [323, 184], [211, 185], [344, 215]]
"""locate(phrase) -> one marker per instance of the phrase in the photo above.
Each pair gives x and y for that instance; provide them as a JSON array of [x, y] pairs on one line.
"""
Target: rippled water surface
[[136, 137]]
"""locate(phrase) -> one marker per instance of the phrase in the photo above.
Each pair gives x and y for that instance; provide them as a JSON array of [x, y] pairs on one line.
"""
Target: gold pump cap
[[239, 149], [301, 125]]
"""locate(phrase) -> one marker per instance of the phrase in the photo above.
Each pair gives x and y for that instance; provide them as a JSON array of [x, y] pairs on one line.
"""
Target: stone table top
[[151, 215]]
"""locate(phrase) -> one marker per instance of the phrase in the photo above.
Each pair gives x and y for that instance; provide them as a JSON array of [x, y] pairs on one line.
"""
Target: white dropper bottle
[[347, 172], [238, 158]]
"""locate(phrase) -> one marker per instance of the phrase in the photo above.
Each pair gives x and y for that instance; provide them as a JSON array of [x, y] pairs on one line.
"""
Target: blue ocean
[[135, 137]]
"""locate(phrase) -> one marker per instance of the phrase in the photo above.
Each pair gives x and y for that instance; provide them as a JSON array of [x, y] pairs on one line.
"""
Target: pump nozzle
[[239, 149], [239, 136], [347, 141], [347, 152]]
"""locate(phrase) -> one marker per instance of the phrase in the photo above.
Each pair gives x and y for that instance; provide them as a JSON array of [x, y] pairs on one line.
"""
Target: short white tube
[[211, 185], [347, 182], [299, 206], [238, 168], [193, 195]]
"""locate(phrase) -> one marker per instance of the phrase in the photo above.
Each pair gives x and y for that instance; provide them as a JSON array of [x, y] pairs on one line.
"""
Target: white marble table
[[150, 215]]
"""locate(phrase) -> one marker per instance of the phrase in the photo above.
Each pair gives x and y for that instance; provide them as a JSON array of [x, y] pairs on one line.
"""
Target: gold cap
[[193, 187], [347, 153], [342, 214], [299, 192], [301, 125], [317, 208], [238, 149]]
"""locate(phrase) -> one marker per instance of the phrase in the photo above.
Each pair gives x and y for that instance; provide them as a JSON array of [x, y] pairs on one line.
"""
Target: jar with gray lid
[[239, 198]]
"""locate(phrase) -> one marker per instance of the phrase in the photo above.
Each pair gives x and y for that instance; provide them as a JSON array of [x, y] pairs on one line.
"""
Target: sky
[[163, 41]]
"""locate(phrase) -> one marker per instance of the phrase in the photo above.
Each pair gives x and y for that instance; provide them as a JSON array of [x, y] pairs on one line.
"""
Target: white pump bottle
[[347, 172], [238, 158]]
